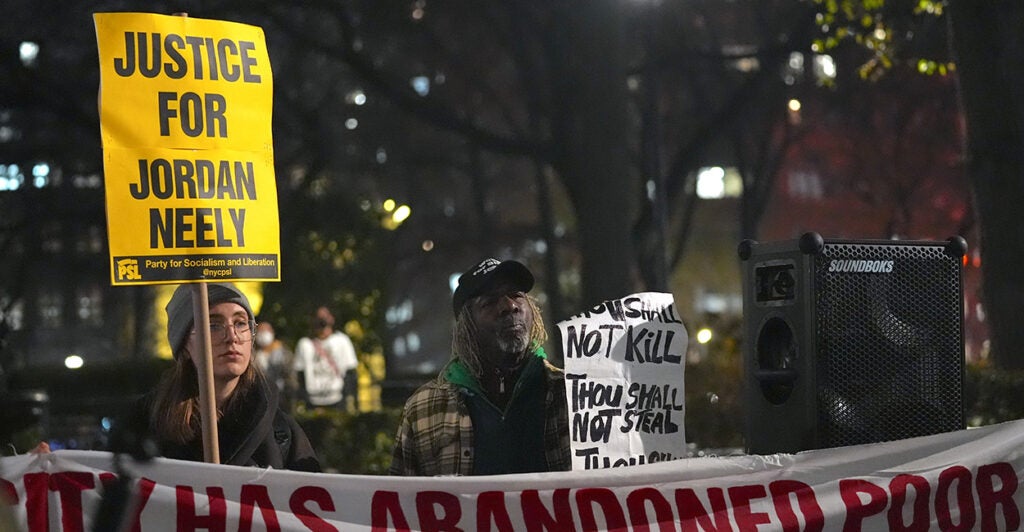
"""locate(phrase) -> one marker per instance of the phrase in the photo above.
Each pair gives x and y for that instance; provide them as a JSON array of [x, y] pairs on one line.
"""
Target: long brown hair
[[175, 414], [466, 345]]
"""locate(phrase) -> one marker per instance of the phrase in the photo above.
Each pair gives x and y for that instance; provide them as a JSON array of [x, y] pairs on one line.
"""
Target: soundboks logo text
[[860, 266]]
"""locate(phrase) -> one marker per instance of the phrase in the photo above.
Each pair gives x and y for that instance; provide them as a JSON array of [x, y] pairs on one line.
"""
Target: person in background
[[252, 429], [323, 361], [498, 406], [275, 360]]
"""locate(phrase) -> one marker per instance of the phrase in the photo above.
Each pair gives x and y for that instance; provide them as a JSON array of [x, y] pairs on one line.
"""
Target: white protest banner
[[185, 116], [959, 481], [624, 362]]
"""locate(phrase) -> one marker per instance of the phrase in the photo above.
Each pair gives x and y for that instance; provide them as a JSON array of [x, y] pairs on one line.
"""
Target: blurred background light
[[28, 51], [704, 335]]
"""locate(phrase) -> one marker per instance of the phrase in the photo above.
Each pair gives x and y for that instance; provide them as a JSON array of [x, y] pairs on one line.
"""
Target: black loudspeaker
[[849, 342]]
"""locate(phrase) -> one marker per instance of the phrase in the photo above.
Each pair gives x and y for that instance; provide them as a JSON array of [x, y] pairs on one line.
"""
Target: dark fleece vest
[[253, 432]]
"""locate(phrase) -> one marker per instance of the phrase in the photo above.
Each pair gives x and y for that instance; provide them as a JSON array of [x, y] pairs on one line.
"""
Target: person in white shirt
[[276, 360], [323, 360]]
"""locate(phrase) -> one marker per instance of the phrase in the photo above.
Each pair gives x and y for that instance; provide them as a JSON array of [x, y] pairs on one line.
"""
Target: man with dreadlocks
[[498, 406]]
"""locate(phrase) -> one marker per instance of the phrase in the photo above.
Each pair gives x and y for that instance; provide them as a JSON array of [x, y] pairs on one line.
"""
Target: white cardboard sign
[[624, 362]]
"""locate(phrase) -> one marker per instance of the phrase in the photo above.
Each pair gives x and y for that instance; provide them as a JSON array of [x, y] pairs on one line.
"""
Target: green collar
[[457, 373]]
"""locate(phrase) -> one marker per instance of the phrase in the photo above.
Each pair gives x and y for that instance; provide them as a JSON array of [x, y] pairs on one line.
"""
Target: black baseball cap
[[485, 274]]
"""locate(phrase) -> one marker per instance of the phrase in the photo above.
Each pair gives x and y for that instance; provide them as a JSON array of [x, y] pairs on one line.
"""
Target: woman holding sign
[[252, 429]]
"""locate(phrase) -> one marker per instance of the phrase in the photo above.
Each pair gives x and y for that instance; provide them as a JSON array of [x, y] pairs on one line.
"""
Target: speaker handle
[[745, 248], [811, 243], [784, 376], [956, 247]]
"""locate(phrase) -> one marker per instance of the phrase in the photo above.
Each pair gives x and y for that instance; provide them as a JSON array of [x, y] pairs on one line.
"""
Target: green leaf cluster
[[351, 443], [885, 31], [993, 395]]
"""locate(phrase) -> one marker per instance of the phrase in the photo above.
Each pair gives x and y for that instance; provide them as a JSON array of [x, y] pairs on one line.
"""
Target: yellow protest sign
[[185, 115]]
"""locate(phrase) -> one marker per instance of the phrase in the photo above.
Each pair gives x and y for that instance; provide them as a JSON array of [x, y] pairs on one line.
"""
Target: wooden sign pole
[[207, 391]]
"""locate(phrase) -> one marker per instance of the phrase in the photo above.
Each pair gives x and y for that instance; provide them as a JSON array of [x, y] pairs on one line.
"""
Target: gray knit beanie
[[180, 314]]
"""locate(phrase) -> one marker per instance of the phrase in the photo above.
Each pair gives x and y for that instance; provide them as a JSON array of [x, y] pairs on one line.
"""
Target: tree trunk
[[990, 51], [594, 142]]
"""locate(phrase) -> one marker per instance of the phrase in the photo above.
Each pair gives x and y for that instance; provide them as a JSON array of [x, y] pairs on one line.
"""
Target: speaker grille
[[890, 342]]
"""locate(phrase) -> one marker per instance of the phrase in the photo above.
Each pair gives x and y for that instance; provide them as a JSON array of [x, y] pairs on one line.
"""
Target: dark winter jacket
[[253, 432], [437, 437]]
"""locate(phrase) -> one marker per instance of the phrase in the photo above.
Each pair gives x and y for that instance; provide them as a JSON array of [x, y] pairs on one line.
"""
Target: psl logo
[[128, 270]]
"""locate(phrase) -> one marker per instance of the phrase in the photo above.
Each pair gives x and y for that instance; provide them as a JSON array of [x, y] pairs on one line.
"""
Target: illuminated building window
[[12, 314], [50, 239], [805, 185], [716, 182], [51, 314], [89, 305]]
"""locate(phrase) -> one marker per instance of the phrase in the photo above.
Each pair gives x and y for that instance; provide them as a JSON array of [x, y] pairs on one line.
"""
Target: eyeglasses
[[242, 329]]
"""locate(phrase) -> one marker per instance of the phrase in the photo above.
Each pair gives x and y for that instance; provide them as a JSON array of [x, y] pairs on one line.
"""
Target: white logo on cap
[[486, 266]]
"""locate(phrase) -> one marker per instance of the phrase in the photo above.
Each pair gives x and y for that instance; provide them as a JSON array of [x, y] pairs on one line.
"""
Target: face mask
[[264, 338]]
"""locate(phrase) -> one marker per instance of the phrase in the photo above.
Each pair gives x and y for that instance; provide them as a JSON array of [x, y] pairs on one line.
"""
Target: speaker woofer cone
[[776, 361]]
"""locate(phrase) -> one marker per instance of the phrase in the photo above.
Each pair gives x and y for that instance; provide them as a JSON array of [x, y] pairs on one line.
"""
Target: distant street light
[[704, 335]]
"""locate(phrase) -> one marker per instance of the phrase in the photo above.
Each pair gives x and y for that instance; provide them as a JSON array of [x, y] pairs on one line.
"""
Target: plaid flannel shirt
[[435, 436]]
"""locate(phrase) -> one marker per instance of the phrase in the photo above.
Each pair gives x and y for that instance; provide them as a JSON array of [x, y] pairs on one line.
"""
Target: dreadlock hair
[[175, 413], [466, 345]]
